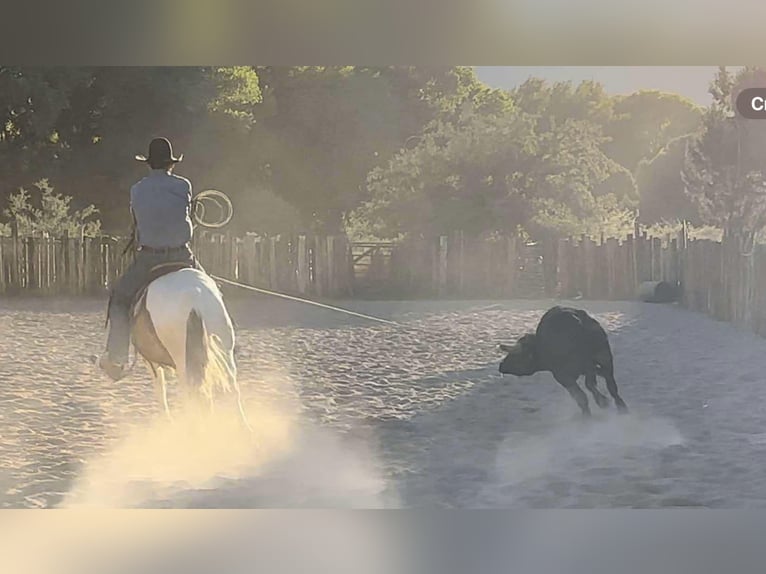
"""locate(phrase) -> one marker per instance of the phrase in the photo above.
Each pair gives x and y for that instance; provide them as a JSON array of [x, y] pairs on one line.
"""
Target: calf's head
[[521, 358]]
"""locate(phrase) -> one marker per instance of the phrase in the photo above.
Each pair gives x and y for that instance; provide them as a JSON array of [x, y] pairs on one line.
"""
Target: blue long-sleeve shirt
[[161, 204]]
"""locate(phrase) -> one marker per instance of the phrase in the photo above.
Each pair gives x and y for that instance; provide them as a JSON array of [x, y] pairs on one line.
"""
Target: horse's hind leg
[[590, 384], [160, 389], [231, 371]]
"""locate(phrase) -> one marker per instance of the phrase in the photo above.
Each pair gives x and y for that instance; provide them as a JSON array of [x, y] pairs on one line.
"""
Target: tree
[[455, 178], [54, 215], [321, 130], [494, 172], [207, 112], [31, 103], [723, 168], [661, 187], [645, 122], [556, 103]]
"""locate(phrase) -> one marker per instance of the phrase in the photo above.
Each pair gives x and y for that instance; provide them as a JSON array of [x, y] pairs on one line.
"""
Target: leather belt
[[148, 249]]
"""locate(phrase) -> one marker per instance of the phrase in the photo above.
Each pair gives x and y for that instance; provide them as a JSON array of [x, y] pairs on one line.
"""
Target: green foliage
[[647, 121], [321, 130], [608, 216], [237, 91], [378, 151], [661, 188], [452, 179], [723, 168], [554, 103], [637, 126], [260, 211], [494, 173], [32, 103], [54, 216], [205, 111]]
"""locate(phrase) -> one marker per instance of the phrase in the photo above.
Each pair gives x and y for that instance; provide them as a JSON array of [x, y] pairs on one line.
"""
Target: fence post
[[320, 265], [33, 267], [3, 281], [656, 259], [611, 275], [14, 278], [461, 263], [562, 268], [682, 252], [512, 262], [442, 266], [690, 273], [273, 278], [331, 279], [632, 268], [351, 274], [3, 265], [550, 265], [345, 270], [303, 267], [590, 265]]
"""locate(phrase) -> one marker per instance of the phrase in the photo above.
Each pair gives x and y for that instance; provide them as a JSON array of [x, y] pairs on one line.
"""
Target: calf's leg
[[590, 384], [605, 368], [574, 390], [611, 386]]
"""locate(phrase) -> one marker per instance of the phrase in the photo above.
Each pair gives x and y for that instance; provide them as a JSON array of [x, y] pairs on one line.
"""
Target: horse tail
[[197, 350]]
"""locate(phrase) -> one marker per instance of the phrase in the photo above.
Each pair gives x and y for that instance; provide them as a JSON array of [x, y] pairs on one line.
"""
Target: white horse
[[179, 322]]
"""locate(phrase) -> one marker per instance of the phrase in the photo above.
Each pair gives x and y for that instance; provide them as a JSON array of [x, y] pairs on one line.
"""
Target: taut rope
[[306, 301]]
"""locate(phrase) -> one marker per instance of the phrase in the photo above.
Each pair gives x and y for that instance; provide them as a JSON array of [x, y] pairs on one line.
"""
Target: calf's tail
[[604, 361]]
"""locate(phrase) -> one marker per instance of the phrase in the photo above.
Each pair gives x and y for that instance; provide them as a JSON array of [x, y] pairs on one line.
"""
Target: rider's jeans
[[136, 276]]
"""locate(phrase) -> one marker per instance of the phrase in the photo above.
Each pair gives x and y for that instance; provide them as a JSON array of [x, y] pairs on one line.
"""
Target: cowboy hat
[[160, 151]]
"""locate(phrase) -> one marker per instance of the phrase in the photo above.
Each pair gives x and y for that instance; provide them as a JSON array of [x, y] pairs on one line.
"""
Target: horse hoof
[[602, 402]]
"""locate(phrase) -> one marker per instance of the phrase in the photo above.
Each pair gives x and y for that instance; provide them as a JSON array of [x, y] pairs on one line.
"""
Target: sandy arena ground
[[354, 414]]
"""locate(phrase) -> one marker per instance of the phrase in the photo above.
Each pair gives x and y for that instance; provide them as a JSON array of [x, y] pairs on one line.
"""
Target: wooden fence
[[715, 279], [613, 268], [318, 266], [58, 265]]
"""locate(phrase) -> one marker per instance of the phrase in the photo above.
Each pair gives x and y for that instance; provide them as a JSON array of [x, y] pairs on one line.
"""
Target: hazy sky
[[692, 81]]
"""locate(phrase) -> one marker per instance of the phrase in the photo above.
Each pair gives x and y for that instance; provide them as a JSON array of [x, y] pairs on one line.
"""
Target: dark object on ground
[[658, 292], [569, 343]]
